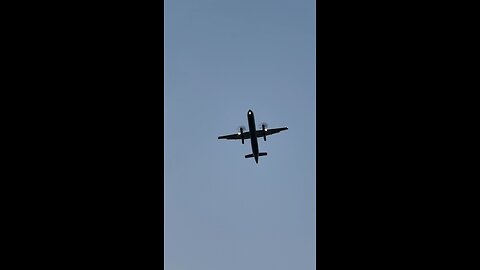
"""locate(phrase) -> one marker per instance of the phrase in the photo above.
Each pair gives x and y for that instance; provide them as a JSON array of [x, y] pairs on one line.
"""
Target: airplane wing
[[246, 135], [236, 136], [270, 131]]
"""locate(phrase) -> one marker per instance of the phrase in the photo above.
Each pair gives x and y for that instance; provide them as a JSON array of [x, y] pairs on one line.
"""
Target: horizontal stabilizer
[[259, 154]]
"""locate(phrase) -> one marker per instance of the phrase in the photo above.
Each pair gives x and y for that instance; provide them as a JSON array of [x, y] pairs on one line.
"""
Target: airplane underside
[[253, 135]]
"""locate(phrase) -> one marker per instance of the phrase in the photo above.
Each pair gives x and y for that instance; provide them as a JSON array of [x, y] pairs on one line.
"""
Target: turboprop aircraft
[[253, 134]]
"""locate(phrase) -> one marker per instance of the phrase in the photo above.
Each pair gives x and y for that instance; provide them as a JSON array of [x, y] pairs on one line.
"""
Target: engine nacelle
[[264, 132], [241, 135]]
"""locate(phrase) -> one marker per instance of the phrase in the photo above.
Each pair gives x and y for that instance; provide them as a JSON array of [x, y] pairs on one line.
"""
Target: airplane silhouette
[[252, 135]]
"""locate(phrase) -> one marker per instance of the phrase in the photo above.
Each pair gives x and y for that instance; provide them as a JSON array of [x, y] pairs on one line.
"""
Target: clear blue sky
[[222, 58]]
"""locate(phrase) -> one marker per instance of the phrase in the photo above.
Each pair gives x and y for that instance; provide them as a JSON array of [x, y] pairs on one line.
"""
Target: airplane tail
[[259, 154]]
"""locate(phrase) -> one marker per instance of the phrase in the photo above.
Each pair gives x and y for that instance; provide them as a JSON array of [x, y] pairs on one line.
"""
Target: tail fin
[[259, 154]]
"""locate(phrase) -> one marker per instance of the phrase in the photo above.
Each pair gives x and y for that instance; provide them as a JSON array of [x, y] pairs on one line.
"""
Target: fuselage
[[253, 134]]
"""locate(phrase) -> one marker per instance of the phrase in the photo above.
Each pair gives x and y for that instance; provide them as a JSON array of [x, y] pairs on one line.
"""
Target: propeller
[[240, 130], [264, 127]]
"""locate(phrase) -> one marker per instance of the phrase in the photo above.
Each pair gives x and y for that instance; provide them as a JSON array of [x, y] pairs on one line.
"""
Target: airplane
[[253, 134]]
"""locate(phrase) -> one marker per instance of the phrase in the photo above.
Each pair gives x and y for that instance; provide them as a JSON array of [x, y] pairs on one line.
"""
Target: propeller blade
[[240, 129]]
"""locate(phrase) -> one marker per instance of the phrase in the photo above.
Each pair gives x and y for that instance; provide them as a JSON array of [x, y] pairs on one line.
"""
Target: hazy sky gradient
[[222, 58]]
